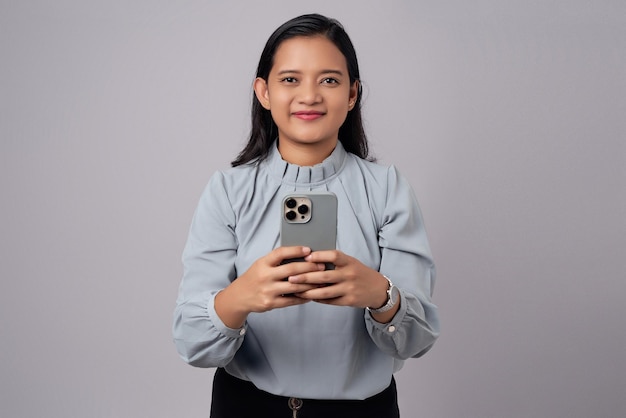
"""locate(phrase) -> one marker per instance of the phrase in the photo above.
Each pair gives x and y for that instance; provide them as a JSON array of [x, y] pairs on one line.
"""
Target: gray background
[[507, 117]]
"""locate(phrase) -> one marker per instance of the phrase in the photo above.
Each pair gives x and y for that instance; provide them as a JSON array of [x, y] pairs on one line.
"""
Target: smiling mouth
[[308, 115]]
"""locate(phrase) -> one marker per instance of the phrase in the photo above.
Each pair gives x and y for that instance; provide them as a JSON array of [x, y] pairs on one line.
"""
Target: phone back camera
[[297, 209], [291, 203]]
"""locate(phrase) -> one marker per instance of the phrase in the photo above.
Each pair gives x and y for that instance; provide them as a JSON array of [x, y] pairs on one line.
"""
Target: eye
[[288, 80], [330, 80]]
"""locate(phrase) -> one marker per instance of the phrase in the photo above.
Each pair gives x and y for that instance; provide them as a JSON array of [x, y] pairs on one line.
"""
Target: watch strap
[[390, 302]]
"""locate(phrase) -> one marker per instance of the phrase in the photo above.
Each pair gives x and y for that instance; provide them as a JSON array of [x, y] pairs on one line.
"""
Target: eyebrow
[[338, 72]]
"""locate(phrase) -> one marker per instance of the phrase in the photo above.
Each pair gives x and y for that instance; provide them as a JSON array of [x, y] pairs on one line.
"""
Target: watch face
[[395, 294]]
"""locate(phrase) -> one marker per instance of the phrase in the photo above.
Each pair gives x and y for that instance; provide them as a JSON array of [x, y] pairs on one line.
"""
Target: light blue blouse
[[313, 350]]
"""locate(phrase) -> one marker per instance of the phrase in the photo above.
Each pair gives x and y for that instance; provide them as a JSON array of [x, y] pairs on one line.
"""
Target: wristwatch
[[393, 295]]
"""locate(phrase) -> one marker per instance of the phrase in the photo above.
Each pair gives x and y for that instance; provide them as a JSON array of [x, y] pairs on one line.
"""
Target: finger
[[333, 301], [297, 268], [320, 277], [335, 257], [322, 293], [290, 300], [286, 288], [279, 254]]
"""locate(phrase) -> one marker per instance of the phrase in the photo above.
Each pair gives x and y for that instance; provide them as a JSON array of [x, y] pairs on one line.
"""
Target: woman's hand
[[263, 286], [351, 283]]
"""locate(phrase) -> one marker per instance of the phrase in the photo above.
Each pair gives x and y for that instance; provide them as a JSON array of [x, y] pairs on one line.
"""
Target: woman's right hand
[[263, 286]]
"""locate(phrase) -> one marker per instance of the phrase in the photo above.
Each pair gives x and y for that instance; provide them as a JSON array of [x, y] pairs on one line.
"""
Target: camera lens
[[291, 203], [291, 215], [302, 209]]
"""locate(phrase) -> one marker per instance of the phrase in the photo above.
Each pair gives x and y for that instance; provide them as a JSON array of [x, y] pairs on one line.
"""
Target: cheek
[[340, 108], [280, 98], [341, 100]]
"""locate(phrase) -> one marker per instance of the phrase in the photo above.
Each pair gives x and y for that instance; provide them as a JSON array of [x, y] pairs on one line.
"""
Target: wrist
[[229, 311], [392, 297]]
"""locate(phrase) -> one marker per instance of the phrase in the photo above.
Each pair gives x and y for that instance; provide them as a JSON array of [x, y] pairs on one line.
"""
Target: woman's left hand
[[351, 283]]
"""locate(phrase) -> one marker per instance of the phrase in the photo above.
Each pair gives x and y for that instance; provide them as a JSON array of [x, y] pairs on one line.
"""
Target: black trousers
[[236, 398]]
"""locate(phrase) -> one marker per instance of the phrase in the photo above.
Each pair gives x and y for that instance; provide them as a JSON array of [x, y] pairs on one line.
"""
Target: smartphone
[[309, 219]]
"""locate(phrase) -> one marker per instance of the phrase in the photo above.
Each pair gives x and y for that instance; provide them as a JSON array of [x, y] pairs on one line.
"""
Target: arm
[[410, 328], [200, 336], [406, 260], [213, 304]]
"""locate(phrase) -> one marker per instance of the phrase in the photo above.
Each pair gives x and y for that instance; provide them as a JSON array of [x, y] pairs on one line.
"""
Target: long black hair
[[264, 131]]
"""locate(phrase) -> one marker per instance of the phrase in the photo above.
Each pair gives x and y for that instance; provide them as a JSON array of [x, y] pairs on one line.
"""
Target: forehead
[[308, 53]]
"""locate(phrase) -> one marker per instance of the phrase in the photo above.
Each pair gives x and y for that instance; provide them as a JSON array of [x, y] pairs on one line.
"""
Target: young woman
[[324, 342]]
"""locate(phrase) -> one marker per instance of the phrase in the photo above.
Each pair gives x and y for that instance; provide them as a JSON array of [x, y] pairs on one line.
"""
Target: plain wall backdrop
[[508, 118]]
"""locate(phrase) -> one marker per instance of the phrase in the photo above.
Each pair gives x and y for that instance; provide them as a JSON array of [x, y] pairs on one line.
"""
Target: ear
[[354, 94], [261, 92]]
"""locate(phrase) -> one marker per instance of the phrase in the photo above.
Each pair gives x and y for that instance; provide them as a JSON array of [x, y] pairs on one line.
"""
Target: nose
[[308, 94]]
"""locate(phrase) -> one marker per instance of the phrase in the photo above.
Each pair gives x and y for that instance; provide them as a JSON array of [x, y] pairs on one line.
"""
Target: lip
[[308, 114]]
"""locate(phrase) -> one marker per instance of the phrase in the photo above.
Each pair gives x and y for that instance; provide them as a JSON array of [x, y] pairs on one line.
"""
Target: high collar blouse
[[312, 350]]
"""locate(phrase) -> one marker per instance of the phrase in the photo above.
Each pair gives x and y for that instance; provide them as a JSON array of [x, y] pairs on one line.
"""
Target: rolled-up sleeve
[[406, 259], [200, 336]]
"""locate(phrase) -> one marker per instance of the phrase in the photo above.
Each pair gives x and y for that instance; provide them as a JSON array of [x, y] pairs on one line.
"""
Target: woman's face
[[309, 94]]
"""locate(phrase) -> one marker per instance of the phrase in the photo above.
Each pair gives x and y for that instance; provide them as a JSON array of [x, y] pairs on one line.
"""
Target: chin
[[313, 140]]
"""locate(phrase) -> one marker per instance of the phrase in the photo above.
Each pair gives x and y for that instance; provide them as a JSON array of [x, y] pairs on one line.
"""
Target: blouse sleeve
[[406, 259], [201, 338]]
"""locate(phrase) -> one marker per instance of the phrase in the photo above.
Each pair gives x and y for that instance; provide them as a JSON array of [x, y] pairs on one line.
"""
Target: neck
[[305, 154]]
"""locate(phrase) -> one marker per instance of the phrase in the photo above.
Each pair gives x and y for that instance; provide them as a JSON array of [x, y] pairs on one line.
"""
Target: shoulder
[[241, 188], [381, 177], [232, 180]]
